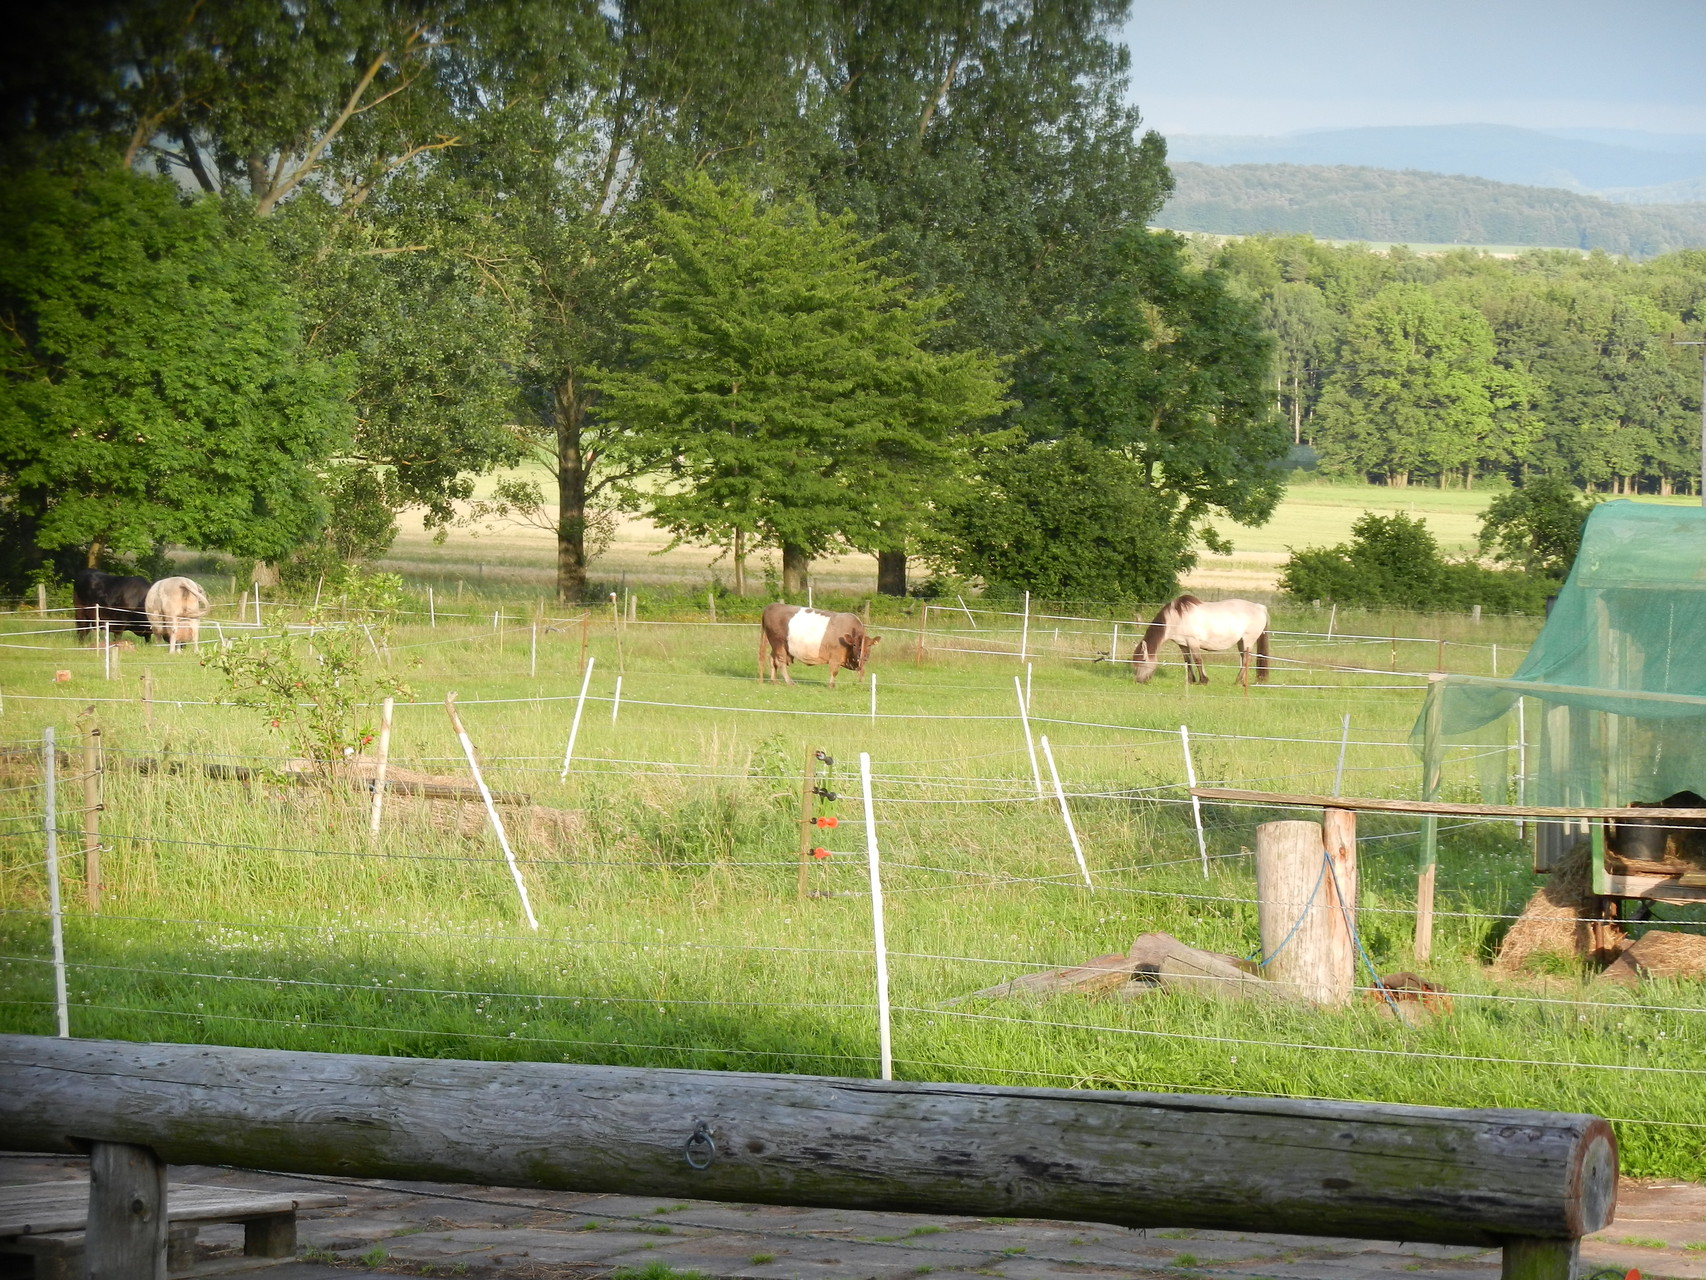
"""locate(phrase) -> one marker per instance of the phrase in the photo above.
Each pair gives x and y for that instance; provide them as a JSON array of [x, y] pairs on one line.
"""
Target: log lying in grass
[[1531, 1180], [1155, 960]]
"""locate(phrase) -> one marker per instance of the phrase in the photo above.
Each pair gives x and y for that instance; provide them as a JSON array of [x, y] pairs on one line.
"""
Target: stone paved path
[[490, 1233]]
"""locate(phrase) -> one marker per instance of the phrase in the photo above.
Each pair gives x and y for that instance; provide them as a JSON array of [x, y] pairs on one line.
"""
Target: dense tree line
[[1352, 202], [831, 270], [1464, 367]]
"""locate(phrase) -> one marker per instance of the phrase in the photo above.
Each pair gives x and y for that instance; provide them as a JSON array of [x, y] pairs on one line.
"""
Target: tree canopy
[[786, 379], [154, 382]]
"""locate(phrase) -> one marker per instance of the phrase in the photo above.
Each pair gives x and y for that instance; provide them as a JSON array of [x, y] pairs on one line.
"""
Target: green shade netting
[[1615, 684]]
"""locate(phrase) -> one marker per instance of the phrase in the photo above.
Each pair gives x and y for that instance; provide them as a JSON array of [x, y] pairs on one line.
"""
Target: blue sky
[[1271, 66]]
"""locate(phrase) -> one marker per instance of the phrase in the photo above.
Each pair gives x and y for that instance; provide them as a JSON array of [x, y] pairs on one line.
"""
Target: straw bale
[[1553, 919], [1658, 953]]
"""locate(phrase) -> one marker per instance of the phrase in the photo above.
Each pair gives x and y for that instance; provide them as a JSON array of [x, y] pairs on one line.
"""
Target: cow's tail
[[1262, 657]]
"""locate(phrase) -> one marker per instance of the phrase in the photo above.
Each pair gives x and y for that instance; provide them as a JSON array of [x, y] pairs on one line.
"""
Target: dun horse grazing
[[814, 637], [1195, 626], [176, 607], [105, 599]]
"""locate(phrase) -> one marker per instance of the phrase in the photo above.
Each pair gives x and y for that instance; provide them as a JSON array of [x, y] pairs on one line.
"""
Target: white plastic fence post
[[1025, 632], [1344, 744], [257, 604], [432, 609], [1331, 619], [1114, 644], [580, 705], [1027, 686], [56, 922], [1066, 814], [491, 808], [873, 697], [383, 762], [879, 941], [616, 701], [809, 603], [1495, 660], [1025, 724], [1196, 804]]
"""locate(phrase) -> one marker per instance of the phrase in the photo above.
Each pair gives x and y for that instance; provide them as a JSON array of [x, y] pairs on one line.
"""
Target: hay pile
[[1554, 919], [1658, 953]]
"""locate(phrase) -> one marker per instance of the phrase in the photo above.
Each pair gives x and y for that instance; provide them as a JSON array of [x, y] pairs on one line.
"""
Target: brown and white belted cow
[[789, 632]]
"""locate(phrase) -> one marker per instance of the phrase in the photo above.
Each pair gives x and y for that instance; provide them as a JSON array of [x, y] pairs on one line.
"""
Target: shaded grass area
[[671, 933]]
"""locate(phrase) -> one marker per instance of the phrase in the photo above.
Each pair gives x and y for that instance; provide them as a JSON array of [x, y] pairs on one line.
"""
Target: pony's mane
[[1157, 633]]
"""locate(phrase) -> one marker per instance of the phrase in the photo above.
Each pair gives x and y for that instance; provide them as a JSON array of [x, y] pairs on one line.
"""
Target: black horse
[[106, 599]]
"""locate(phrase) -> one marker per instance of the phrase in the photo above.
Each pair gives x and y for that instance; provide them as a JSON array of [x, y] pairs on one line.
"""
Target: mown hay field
[[254, 910]]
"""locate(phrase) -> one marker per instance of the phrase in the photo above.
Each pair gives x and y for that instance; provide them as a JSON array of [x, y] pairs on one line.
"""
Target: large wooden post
[[127, 1213], [1306, 937]]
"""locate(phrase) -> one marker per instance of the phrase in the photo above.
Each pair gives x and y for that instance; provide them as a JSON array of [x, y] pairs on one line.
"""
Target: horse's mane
[[1152, 638]]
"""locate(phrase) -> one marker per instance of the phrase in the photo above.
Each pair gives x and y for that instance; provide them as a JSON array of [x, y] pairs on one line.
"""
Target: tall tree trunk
[[1296, 412], [794, 564], [95, 549], [571, 494], [891, 573]]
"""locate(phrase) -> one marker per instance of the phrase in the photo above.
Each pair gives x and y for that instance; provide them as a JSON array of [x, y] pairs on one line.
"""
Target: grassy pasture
[[670, 932]]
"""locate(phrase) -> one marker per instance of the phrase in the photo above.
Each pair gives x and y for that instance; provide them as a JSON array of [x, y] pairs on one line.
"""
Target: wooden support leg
[[126, 1237], [1539, 1259], [270, 1237]]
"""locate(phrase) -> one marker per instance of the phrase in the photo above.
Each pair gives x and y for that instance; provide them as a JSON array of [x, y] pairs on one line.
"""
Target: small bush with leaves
[[316, 690]]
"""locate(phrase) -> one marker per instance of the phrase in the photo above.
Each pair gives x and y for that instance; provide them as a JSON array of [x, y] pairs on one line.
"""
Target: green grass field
[[670, 930]]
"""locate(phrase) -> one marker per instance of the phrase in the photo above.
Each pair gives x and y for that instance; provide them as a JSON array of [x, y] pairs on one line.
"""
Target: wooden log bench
[[48, 1223], [1530, 1182]]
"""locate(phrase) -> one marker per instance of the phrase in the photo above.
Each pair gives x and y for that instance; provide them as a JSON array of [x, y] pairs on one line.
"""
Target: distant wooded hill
[[1348, 202]]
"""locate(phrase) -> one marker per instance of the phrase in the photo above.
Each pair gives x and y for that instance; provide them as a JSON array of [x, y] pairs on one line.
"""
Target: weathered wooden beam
[[1289, 800], [126, 1234], [1366, 1170]]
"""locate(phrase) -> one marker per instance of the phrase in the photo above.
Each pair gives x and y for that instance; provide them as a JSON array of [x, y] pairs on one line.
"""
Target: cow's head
[[859, 648]]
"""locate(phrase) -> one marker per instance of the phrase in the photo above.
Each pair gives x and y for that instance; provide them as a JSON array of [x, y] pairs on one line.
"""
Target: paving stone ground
[[492, 1233]]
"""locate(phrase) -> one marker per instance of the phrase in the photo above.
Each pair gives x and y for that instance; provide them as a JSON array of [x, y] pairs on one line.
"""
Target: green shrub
[[1394, 562]]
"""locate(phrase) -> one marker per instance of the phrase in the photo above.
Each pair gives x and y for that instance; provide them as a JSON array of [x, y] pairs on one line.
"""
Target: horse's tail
[[1262, 656]]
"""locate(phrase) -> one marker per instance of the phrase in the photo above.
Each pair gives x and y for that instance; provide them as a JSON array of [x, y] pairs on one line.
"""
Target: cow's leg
[[785, 660], [834, 666]]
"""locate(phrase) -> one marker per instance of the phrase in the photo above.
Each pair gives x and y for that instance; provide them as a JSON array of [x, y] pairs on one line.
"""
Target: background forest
[[800, 277], [1463, 368]]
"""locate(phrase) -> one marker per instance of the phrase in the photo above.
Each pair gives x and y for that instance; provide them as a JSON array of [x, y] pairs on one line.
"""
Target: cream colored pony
[[175, 608], [1195, 626]]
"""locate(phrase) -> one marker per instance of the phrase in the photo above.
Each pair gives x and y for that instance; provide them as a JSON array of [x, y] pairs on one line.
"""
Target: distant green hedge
[[1394, 562]]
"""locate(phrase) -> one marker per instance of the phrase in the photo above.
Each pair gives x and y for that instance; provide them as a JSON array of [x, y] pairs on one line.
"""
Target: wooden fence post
[[1306, 938], [92, 803], [126, 1238], [41, 597]]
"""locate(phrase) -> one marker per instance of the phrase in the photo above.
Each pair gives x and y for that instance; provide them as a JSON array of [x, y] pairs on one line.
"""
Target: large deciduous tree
[[991, 150], [1164, 373], [786, 379], [325, 120], [154, 382]]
